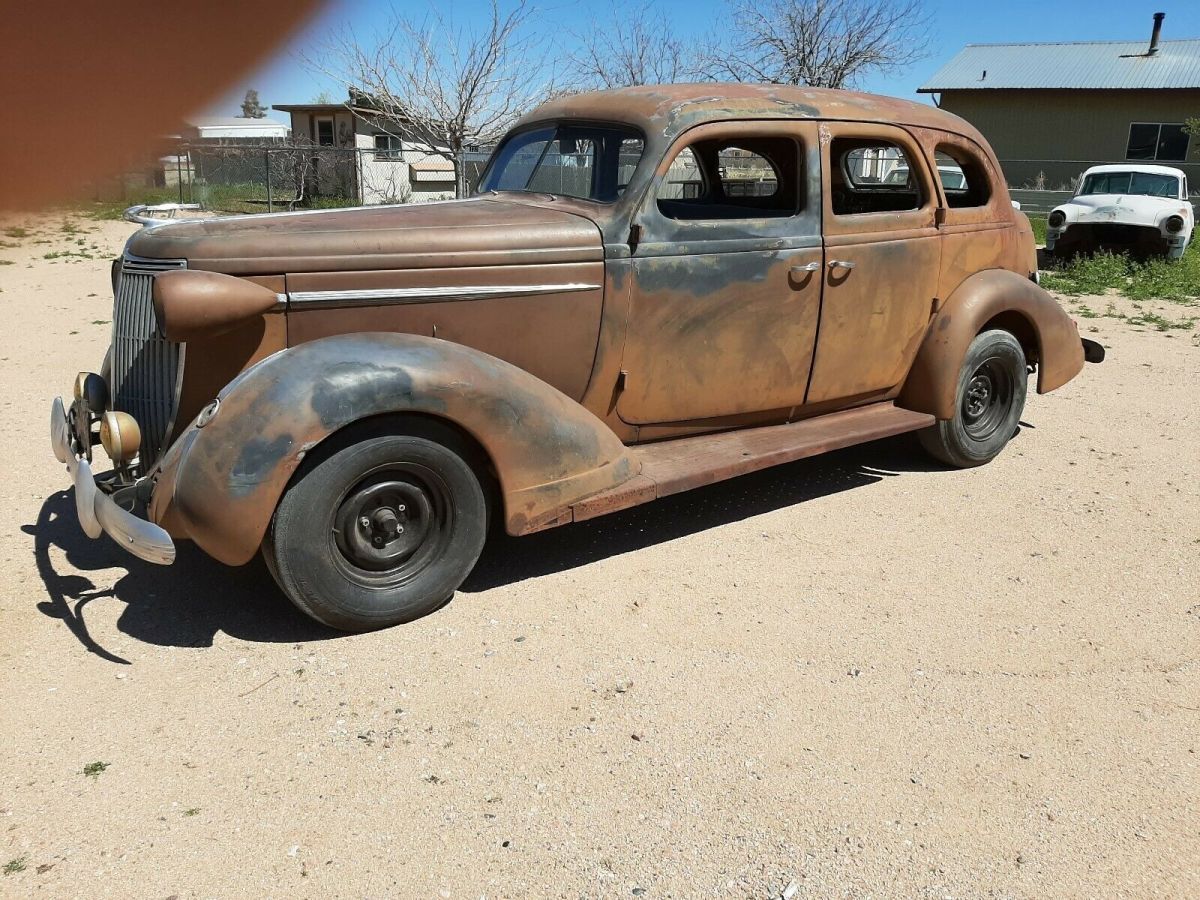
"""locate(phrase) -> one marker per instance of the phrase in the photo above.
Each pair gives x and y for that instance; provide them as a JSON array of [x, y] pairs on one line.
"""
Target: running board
[[672, 466]]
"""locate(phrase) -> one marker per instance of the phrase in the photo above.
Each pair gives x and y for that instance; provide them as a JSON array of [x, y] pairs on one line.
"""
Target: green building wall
[[1059, 133]]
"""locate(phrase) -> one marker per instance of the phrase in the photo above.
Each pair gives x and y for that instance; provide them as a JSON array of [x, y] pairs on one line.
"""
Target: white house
[[390, 165], [232, 127]]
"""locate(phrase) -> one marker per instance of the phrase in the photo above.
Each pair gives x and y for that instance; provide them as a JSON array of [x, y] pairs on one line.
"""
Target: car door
[[882, 252], [726, 275]]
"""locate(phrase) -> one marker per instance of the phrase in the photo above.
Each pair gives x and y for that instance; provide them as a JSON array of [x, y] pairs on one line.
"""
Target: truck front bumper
[[98, 512]]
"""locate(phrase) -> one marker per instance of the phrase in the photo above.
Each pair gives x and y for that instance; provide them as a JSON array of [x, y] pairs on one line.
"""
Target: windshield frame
[[629, 129]]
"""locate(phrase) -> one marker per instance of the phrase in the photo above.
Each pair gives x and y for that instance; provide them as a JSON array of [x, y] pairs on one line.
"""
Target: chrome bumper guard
[[97, 511]]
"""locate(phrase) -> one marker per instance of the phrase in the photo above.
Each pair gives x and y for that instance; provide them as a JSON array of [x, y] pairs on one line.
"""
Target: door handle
[[841, 264], [811, 267]]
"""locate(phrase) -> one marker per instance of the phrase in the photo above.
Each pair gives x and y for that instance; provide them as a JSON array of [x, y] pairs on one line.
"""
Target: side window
[[683, 180], [749, 178], [744, 173], [871, 176], [964, 177]]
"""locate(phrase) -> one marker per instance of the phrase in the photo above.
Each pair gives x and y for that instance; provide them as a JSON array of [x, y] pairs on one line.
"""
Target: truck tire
[[379, 529], [989, 401]]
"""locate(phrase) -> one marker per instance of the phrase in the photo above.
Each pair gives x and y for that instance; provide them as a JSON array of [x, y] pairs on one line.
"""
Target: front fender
[[221, 481], [1005, 300]]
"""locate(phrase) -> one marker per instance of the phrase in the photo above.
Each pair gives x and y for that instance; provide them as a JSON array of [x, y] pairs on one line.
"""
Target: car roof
[[669, 109], [1134, 167]]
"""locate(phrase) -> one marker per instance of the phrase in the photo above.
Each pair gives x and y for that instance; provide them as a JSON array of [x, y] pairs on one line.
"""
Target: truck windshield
[[1146, 184], [591, 162]]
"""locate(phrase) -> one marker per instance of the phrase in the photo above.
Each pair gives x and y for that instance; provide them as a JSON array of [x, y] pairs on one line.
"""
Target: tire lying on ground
[[988, 404]]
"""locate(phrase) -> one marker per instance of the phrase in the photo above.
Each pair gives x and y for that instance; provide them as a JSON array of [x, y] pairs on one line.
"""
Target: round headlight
[[1175, 224], [92, 389], [1057, 219], [121, 436]]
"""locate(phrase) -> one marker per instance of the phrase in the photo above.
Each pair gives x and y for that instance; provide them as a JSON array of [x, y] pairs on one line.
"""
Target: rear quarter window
[[964, 177]]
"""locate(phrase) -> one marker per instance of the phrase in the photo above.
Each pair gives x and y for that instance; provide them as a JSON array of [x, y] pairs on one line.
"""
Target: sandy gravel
[[860, 674]]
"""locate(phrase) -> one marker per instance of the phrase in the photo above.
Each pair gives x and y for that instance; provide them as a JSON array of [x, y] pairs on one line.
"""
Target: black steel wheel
[[990, 400], [380, 529]]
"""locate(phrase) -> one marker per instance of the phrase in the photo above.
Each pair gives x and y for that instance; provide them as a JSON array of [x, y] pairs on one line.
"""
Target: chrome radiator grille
[[146, 367]]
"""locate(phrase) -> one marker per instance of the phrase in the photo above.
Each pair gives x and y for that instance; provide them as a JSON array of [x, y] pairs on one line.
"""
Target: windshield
[[591, 162], [1146, 184], [952, 179]]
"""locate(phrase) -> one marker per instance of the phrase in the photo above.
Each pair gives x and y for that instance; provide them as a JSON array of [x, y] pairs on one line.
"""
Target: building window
[[324, 129], [1165, 142], [387, 146]]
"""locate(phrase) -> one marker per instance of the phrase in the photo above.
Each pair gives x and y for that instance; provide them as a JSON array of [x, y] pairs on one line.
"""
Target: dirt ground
[[860, 674]]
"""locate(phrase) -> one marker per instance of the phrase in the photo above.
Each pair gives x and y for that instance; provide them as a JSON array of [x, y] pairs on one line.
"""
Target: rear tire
[[380, 529], [989, 400]]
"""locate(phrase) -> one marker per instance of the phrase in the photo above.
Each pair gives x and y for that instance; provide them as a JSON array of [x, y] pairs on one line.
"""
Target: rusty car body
[[653, 289]]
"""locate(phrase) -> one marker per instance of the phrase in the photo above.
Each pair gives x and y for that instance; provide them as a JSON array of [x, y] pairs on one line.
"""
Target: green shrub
[[1177, 281], [1039, 229]]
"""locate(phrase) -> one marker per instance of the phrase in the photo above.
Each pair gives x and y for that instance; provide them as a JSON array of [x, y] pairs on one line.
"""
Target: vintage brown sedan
[[653, 289]]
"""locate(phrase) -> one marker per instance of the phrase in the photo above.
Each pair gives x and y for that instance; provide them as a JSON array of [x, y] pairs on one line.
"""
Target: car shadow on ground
[[182, 605], [507, 560], [188, 603]]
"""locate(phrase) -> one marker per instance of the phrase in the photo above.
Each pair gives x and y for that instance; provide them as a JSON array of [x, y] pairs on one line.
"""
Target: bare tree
[[447, 87], [632, 44], [819, 43]]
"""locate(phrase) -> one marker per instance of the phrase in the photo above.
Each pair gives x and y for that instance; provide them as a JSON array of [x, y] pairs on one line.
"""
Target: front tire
[[380, 529], [988, 404]]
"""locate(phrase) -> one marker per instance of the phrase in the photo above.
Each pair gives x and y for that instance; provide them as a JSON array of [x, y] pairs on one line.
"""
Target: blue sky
[[284, 79]]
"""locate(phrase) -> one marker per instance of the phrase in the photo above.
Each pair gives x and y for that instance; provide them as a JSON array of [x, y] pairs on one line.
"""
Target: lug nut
[[364, 522]]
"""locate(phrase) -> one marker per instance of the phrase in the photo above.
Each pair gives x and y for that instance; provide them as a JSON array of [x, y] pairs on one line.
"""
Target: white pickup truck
[[1136, 208]]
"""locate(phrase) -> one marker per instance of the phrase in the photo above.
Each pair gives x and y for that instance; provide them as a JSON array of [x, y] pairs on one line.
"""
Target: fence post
[[267, 166], [361, 200], [179, 172]]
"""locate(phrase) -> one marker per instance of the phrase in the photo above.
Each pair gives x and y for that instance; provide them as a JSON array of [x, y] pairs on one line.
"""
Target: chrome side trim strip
[[431, 294], [151, 264]]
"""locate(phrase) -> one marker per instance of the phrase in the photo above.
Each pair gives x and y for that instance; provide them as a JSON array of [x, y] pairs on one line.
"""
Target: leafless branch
[[818, 43], [630, 45], [447, 86]]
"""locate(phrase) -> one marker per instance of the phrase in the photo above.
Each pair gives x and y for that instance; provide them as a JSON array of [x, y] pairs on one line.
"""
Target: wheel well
[[1021, 328], [432, 427]]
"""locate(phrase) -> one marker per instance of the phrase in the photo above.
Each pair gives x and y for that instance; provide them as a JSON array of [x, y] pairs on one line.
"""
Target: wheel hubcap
[[390, 522], [987, 399]]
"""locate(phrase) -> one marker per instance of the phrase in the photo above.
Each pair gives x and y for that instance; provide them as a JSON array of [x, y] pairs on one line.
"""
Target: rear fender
[[221, 481], [1004, 299]]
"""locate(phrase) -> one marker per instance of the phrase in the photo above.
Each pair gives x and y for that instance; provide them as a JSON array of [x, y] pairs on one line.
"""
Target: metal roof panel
[[1098, 65]]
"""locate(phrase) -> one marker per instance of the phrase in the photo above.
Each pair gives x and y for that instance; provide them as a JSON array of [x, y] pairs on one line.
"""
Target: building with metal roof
[[1051, 110]]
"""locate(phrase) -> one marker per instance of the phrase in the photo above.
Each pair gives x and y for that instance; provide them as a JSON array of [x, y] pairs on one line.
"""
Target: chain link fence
[[247, 178]]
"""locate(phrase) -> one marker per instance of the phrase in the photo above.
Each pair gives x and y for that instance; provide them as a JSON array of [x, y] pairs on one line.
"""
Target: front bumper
[[1118, 234], [98, 512]]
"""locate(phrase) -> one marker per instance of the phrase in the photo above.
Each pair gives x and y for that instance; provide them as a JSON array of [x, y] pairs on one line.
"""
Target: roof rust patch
[[673, 108]]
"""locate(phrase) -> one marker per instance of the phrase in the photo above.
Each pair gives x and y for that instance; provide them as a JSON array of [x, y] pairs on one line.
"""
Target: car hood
[[1132, 208], [476, 232]]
